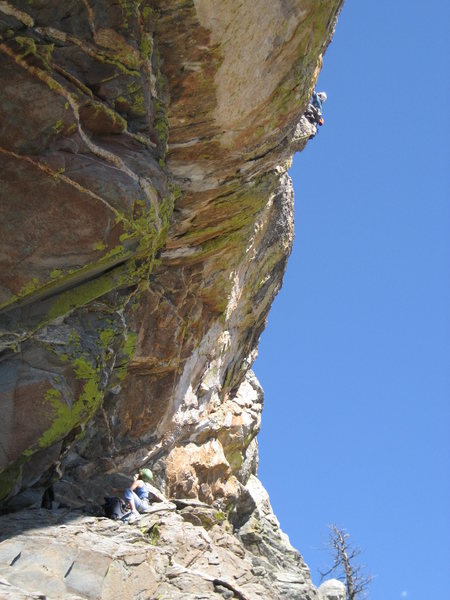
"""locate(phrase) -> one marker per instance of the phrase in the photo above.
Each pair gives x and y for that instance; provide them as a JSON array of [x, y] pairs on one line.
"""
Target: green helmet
[[146, 475]]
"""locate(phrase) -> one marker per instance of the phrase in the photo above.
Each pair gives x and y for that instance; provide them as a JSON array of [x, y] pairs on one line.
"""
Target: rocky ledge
[[179, 551], [146, 222]]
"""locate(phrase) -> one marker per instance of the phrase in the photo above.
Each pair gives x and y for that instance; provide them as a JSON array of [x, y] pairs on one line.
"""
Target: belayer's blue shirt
[[142, 492]]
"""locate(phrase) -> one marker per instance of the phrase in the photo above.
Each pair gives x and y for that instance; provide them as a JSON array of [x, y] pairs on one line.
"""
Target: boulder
[[332, 589]]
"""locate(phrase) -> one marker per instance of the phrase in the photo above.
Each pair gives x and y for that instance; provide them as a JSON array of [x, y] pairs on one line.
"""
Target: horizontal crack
[[72, 281], [56, 175]]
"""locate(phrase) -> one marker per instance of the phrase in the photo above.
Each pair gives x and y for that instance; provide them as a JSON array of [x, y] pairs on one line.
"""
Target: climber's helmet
[[146, 475], [322, 96]]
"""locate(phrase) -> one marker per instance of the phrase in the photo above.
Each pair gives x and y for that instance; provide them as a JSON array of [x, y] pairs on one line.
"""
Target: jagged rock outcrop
[[333, 589], [186, 554], [147, 218]]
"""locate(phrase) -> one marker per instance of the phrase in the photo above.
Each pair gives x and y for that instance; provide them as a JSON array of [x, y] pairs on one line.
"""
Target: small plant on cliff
[[154, 534], [344, 567], [220, 516]]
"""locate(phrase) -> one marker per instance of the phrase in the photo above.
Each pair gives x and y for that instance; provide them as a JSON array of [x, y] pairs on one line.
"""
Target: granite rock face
[[146, 222]]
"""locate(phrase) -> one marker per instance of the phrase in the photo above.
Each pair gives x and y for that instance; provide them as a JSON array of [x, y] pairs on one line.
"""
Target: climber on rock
[[314, 111], [317, 100], [137, 495]]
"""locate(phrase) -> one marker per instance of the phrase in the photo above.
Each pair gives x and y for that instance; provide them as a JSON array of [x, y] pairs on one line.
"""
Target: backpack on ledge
[[114, 507]]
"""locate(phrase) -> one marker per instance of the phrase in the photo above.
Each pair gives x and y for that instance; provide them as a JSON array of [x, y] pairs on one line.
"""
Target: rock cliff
[[147, 217]]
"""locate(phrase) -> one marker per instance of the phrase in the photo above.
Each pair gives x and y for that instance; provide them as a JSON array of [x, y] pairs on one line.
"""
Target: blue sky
[[355, 359]]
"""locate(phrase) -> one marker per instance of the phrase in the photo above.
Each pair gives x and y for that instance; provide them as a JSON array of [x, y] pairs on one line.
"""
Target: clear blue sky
[[355, 361]]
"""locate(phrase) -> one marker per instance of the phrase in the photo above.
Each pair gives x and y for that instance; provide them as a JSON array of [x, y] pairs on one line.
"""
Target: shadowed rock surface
[[146, 222]]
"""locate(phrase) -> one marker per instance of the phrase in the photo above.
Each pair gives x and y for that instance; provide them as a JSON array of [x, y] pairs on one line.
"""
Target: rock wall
[[147, 218]]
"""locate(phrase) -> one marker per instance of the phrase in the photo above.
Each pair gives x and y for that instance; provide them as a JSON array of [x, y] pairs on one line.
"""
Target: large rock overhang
[[147, 218]]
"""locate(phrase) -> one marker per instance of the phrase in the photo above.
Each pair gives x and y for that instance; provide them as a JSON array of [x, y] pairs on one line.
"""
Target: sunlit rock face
[[146, 221], [333, 589], [187, 554]]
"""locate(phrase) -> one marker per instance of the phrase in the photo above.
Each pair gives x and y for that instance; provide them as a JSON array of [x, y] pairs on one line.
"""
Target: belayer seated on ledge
[[138, 498], [137, 495]]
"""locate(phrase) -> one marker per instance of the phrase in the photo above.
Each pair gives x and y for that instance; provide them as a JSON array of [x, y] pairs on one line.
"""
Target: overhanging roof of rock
[[138, 139]]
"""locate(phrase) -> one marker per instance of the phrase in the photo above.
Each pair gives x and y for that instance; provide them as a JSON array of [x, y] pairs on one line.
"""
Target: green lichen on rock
[[58, 126], [161, 123], [64, 417], [220, 517], [88, 291], [99, 246], [146, 45], [29, 287], [73, 396], [125, 354], [28, 47], [106, 336], [234, 458], [9, 479], [160, 104], [127, 265]]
